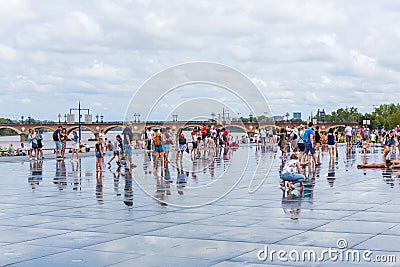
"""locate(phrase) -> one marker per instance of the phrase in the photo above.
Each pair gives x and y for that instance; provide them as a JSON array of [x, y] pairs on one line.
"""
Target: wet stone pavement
[[65, 214]]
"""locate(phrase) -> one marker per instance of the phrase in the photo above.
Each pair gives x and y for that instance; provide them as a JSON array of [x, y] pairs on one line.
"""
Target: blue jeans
[[292, 177]]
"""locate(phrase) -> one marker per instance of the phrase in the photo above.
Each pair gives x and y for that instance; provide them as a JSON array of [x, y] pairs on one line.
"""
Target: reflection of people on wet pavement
[[181, 179], [387, 175], [60, 177], [291, 204], [116, 176], [99, 188], [161, 190], [75, 175], [128, 191], [36, 173], [331, 173]]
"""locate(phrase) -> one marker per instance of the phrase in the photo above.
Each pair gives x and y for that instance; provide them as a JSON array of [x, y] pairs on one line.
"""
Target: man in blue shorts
[[128, 138], [309, 143], [57, 140]]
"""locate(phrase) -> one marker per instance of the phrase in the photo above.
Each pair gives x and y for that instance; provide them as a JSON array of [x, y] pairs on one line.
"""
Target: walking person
[[117, 149], [158, 149], [167, 144], [75, 146], [99, 155], [309, 144], [348, 134], [181, 146], [331, 145], [128, 138]]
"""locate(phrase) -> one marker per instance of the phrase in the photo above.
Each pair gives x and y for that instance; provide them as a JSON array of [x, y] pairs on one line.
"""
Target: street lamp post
[[101, 118], [79, 117], [97, 118], [138, 119], [65, 118], [251, 117], [22, 119], [59, 118], [287, 116]]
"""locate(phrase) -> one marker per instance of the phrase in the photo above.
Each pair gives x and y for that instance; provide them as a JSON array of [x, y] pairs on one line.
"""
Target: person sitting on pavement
[[11, 150], [292, 173]]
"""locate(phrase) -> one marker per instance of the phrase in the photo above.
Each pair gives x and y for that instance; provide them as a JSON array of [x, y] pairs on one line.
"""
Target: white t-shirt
[[291, 166], [348, 130]]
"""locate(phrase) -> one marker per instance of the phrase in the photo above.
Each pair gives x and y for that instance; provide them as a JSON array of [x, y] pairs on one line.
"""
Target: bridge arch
[[18, 131], [75, 127], [109, 128]]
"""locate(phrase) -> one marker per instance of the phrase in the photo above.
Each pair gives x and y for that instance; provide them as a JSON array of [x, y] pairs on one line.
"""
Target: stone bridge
[[95, 128]]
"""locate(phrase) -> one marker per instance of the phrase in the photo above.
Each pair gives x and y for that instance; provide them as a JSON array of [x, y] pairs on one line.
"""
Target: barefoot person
[[99, 155], [388, 163], [292, 172], [75, 146]]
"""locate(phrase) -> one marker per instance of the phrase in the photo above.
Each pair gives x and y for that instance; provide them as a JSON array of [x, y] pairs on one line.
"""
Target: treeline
[[387, 115]]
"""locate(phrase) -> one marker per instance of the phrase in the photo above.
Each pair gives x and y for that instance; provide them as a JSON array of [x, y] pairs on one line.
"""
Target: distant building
[[297, 115], [279, 118]]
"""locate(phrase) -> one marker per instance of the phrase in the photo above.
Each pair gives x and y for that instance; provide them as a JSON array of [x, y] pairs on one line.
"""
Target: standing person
[[29, 146], [75, 146], [301, 145], [32, 144], [193, 134], [117, 147], [181, 146], [103, 136], [149, 135], [128, 138], [282, 142], [99, 155], [63, 138], [331, 145], [348, 134], [309, 144], [318, 144], [263, 134], [388, 143], [57, 141], [158, 148], [40, 143], [167, 144]]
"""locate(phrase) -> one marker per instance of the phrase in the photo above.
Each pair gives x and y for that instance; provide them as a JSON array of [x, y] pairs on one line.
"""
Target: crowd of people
[[304, 146]]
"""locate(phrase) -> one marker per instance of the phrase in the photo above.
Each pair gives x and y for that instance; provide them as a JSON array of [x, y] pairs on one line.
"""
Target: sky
[[302, 55]]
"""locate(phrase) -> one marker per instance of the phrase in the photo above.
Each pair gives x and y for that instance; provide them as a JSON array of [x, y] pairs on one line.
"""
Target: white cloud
[[25, 100], [7, 53], [300, 53]]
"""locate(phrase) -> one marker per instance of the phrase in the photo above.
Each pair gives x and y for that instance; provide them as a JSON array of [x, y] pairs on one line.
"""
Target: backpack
[[305, 137], [157, 141], [55, 136]]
